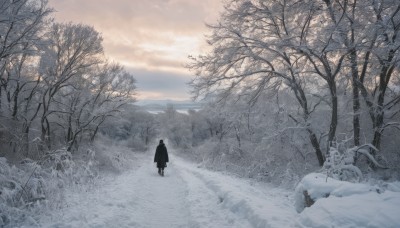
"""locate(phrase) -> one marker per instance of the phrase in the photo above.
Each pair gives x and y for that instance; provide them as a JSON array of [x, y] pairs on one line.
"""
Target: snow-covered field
[[189, 196]]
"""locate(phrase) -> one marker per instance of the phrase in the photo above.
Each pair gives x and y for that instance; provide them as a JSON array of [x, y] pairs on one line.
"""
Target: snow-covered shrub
[[30, 187], [20, 191], [341, 162], [339, 165], [208, 153], [113, 158]]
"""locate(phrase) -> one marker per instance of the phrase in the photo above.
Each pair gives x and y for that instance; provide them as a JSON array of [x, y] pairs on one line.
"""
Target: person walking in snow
[[161, 157]]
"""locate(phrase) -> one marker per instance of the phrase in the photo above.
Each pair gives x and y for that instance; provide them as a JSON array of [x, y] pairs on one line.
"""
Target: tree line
[[57, 87]]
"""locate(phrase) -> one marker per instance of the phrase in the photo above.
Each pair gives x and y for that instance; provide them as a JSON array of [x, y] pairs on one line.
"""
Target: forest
[[287, 88]]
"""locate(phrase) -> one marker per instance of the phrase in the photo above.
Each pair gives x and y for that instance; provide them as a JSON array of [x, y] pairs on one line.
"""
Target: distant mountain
[[161, 105], [162, 102]]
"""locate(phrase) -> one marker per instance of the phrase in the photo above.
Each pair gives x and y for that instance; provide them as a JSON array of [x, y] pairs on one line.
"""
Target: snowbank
[[345, 204]]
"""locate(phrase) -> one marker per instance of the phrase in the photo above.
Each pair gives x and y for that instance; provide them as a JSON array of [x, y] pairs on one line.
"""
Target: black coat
[[161, 156]]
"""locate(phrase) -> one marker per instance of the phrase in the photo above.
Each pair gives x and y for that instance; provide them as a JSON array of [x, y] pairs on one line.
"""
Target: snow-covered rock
[[345, 204]]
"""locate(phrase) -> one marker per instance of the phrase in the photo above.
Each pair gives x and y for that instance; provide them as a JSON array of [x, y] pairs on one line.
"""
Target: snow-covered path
[[186, 196]]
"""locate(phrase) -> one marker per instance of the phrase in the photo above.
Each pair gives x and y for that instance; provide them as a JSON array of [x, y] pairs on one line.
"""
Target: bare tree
[[112, 88], [385, 50], [252, 53], [369, 30], [21, 26], [307, 47], [71, 51]]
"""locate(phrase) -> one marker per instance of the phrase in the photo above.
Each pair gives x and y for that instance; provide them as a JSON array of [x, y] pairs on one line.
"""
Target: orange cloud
[[153, 34]]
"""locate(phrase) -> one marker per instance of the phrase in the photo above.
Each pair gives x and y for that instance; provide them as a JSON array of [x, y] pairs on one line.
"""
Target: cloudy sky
[[151, 38]]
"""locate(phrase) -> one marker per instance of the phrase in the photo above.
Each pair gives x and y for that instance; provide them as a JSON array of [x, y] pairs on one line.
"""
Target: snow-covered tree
[[253, 52], [22, 25], [316, 50]]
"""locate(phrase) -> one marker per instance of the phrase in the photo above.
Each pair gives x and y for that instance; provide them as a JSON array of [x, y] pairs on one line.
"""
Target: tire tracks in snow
[[261, 208]]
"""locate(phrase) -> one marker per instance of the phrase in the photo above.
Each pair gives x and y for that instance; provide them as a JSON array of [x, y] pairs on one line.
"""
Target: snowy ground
[[189, 196], [186, 197]]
